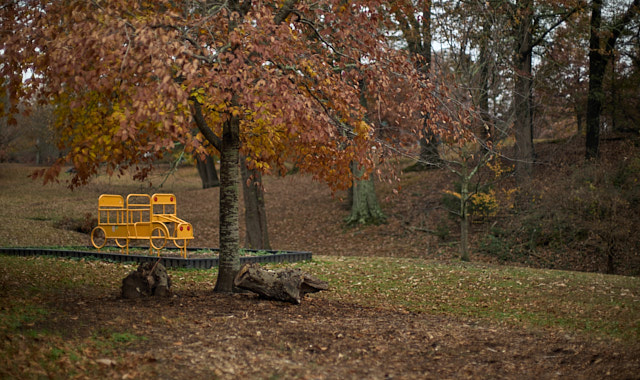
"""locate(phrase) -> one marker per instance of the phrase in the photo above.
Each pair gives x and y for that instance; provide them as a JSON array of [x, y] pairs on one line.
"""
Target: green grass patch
[[19, 317], [598, 304], [583, 302]]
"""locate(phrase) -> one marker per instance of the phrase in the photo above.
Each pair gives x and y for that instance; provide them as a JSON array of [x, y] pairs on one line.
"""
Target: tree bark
[[429, 157], [288, 284], [522, 93], [257, 235], [150, 279], [483, 97], [464, 216], [365, 208], [208, 173], [597, 67], [229, 196]]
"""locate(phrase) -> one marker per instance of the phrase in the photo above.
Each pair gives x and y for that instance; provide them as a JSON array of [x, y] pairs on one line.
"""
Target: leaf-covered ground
[[400, 304], [64, 319]]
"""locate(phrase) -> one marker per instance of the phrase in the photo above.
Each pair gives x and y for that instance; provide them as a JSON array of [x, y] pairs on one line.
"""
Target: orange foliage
[[124, 74]]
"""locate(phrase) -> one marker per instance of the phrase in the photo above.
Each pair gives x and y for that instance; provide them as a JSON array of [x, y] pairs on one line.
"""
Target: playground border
[[168, 262]]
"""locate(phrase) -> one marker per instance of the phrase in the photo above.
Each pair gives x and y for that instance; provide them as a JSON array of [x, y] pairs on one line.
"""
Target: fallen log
[[150, 279], [287, 284]]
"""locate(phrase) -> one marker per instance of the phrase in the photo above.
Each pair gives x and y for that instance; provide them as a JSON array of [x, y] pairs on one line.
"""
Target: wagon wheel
[[182, 244], [123, 243], [98, 237], [158, 237]]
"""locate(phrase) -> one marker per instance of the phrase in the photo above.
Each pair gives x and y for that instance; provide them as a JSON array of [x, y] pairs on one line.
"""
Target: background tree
[[602, 41], [622, 84], [207, 171], [562, 80], [532, 24], [498, 39], [256, 232], [264, 88], [413, 19], [475, 57], [465, 161]]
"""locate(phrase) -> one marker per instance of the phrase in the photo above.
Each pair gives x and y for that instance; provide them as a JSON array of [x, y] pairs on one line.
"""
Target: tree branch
[[564, 18], [201, 123], [619, 26]]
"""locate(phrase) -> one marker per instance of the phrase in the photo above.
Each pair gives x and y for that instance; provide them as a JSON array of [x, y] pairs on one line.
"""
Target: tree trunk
[[365, 208], [429, 157], [579, 119], [417, 33], [287, 284], [522, 93], [483, 98], [229, 195], [207, 171], [464, 216], [257, 236], [595, 97]]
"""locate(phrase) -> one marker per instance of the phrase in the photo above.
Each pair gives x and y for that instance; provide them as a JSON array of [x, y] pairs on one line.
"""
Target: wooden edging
[[169, 262]]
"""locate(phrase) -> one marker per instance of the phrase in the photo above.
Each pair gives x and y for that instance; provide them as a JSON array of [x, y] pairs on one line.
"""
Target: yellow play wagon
[[141, 217]]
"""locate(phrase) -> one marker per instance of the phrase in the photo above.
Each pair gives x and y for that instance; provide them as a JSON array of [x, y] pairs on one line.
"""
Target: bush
[[583, 217], [483, 204]]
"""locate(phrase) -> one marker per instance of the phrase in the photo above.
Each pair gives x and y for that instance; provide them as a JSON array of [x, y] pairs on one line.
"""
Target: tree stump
[[288, 284], [150, 279]]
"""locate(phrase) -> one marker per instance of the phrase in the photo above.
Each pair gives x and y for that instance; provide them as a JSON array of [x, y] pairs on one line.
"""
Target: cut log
[[288, 284], [150, 279]]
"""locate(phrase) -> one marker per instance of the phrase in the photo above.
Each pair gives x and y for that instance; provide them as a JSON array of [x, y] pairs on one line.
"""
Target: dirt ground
[[201, 335]]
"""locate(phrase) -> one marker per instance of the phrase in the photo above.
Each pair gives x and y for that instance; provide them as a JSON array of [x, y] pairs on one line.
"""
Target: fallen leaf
[[107, 362]]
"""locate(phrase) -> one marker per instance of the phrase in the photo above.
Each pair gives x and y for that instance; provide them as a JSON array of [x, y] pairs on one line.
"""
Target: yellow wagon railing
[[141, 217]]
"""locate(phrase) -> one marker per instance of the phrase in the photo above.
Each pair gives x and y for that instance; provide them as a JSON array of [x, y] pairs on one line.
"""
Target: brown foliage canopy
[[125, 76]]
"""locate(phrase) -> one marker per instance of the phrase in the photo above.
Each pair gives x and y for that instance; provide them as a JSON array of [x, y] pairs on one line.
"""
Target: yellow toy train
[[142, 217]]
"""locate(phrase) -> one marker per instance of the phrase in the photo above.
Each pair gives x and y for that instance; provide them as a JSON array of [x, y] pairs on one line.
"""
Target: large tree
[[498, 38], [269, 80], [413, 19], [602, 41], [532, 21]]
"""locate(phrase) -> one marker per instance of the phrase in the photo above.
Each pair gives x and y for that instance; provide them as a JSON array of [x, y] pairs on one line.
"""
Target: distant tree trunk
[[522, 92], [579, 118], [429, 156], [229, 263], [483, 98], [599, 55], [597, 67], [613, 98], [257, 236], [417, 33], [207, 171], [365, 208], [464, 217]]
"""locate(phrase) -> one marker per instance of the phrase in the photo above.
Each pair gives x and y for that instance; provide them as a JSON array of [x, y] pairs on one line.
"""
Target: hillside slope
[[571, 215]]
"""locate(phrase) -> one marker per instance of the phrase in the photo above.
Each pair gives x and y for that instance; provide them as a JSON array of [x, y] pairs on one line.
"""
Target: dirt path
[[202, 335]]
